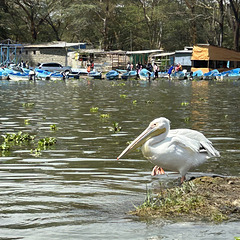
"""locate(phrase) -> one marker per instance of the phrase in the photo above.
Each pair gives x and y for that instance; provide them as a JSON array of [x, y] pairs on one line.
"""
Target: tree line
[[123, 24]]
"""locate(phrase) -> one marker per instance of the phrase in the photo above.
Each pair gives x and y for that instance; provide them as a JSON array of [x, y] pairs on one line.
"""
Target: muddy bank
[[206, 198]]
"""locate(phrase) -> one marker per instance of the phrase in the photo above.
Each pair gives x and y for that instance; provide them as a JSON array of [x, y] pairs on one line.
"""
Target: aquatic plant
[[28, 105], [53, 127], [105, 116], [43, 143], [94, 109], [26, 121], [118, 84], [4, 147], [149, 101], [123, 95], [184, 103], [17, 138], [115, 127], [134, 102], [186, 119]]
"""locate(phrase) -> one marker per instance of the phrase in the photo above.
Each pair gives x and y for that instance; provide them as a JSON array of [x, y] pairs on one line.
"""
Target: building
[[206, 58], [60, 52], [142, 57], [163, 60], [183, 57]]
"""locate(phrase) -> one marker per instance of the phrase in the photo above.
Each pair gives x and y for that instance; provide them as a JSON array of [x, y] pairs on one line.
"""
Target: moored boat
[[95, 75], [146, 75], [210, 75], [197, 75], [129, 75], [111, 75]]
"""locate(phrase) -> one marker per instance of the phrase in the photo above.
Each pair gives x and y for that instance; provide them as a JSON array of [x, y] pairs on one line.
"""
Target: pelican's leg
[[157, 170], [183, 178]]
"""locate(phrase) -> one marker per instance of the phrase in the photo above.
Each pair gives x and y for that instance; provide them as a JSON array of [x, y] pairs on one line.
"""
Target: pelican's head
[[157, 127]]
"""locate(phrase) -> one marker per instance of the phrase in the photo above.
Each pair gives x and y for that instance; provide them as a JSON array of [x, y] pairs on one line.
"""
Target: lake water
[[77, 189]]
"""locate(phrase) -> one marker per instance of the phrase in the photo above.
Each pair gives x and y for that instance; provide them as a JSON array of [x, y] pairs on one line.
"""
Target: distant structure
[[10, 52], [184, 58], [206, 57], [60, 52]]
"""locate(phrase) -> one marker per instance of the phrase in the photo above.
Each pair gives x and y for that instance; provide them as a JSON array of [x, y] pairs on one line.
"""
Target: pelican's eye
[[154, 124]]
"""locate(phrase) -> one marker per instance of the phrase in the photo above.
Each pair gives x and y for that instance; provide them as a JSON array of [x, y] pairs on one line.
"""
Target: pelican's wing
[[186, 143], [205, 145]]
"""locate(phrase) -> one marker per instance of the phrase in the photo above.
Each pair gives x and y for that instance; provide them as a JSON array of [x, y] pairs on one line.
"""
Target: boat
[[210, 75], [233, 74], [146, 75], [197, 75], [111, 75], [18, 76], [57, 76], [3, 74], [179, 75], [129, 75], [95, 75], [79, 71], [42, 74]]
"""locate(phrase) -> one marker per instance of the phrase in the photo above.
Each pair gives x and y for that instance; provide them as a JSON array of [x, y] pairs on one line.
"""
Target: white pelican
[[176, 150]]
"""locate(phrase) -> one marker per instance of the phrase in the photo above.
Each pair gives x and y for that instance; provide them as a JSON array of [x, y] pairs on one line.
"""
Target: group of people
[[151, 68], [175, 68]]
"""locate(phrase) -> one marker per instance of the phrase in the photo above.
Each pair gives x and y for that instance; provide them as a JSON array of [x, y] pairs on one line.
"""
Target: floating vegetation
[[11, 139], [184, 103], [123, 96], [53, 127], [134, 102], [209, 198], [28, 105], [118, 84], [105, 116], [115, 127], [94, 109], [187, 119], [149, 101], [203, 99], [26, 121], [17, 138], [43, 143]]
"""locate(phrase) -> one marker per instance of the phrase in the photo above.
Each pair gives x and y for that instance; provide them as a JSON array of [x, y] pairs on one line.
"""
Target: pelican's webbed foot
[[157, 170]]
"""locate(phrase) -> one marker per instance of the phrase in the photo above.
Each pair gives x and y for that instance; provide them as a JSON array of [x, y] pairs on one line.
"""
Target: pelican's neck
[[155, 140]]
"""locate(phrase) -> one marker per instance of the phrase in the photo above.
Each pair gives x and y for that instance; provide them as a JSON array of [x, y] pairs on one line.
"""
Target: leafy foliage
[[123, 24]]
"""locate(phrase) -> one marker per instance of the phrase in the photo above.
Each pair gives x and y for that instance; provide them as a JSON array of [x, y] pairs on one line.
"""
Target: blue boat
[[233, 74], [210, 75], [112, 75], [146, 75], [197, 75], [42, 74], [179, 75], [95, 75], [128, 75], [18, 76], [3, 74]]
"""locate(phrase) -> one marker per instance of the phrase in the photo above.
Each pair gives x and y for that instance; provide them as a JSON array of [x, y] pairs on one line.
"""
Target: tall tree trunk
[[236, 26]]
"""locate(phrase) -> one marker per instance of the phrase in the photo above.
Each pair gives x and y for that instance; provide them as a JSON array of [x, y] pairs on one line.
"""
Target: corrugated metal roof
[[53, 45], [144, 51]]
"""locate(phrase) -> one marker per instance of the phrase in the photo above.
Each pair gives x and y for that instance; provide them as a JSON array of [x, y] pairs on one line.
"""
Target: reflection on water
[[77, 189]]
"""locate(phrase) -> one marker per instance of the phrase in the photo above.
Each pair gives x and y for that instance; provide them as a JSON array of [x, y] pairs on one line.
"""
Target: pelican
[[177, 150]]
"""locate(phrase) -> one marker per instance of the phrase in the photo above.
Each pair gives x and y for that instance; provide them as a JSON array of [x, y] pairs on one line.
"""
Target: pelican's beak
[[150, 132]]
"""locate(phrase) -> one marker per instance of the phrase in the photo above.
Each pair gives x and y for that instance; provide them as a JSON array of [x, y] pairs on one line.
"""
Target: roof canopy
[[208, 52]]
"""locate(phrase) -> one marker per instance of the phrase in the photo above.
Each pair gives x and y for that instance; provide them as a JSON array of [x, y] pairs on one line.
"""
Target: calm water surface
[[76, 189]]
